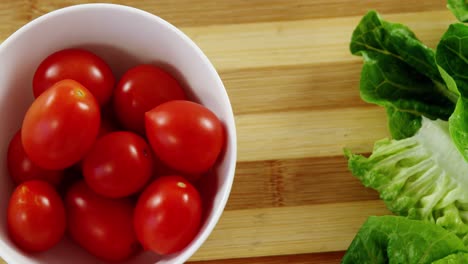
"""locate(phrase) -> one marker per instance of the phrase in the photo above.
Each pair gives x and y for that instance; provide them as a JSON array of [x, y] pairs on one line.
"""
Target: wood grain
[[294, 89], [322, 258], [206, 12], [313, 86], [13, 15], [283, 183], [287, 230], [299, 134], [304, 42]]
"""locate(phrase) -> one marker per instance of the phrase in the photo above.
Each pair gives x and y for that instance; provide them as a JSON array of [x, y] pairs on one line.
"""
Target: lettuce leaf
[[422, 173], [458, 258], [452, 58], [402, 124], [459, 8], [401, 74], [423, 177], [393, 239]]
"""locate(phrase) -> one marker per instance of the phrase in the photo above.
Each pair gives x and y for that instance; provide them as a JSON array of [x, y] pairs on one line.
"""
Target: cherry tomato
[[100, 225], [36, 216], [118, 165], [22, 169], [167, 215], [141, 89], [185, 135], [79, 65], [61, 125]]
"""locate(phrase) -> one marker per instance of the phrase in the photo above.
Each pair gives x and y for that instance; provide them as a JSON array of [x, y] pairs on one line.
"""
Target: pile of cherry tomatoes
[[112, 163]]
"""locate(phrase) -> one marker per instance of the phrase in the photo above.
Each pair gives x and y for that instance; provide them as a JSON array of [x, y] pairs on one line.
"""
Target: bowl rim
[[189, 251]]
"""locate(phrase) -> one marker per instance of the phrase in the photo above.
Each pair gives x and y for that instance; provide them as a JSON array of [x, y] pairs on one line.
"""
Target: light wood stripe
[[319, 258], [207, 12], [287, 230], [301, 134], [308, 181], [294, 87], [303, 42]]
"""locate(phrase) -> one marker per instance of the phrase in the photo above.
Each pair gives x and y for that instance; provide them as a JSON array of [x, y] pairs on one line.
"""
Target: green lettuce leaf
[[458, 258], [400, 73], [452, 58], [393, 239], [458, 124], [373, 34], [423, 177], [402, 124], [389, 82], [459, 8]]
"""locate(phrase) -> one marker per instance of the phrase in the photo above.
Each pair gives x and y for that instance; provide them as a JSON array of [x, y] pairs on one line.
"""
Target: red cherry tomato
[[185, 135], [36, 216], [100, 225], [79, 65], [61, 125], [167, 215], [141, 89], [118, 165], [22, 169]]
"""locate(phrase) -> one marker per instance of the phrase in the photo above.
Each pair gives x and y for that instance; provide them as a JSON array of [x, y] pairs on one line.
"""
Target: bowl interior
[[123, 37]]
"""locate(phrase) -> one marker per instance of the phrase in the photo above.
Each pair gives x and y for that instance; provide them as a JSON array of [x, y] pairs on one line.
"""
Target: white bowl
[[124, 37]]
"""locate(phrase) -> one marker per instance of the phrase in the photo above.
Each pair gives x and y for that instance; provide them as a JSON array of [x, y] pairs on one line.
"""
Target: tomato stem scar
[[79, 92]]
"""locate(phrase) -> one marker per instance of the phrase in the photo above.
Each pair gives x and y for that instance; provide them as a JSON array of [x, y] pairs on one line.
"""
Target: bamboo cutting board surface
[[294, 88]]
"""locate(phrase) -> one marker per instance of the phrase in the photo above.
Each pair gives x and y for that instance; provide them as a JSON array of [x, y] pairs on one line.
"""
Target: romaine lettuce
[[459, 258], [459, 8], [452, 58], [400, 73], [422, 172], [393, 239], [423, 177]]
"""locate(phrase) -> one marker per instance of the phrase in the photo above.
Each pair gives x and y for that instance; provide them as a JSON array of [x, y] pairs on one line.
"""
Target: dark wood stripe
[[319, 258], [295, 182]]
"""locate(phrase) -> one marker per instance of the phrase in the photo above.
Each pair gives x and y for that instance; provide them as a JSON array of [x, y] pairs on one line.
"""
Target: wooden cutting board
[[294, 89]]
